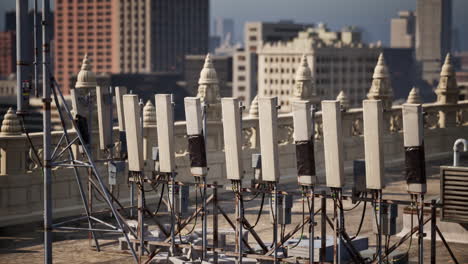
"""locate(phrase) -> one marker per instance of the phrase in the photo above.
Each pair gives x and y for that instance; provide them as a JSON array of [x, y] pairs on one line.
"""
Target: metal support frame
[[49, 159], [378, 209], [172, 209], [421, 230], [204, 210], [311, 225], [47, 170], [275, 222], [239, 220]]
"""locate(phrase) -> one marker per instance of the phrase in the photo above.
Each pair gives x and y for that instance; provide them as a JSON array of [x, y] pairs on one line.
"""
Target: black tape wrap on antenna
[[305, 157], [415, 168], [197, 151]]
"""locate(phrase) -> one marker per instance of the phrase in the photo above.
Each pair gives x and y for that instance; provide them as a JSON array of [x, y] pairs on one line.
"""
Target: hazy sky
[[373, 16]]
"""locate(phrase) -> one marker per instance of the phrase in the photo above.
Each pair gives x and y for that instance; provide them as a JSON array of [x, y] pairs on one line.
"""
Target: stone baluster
[[12, 150], [447, 93], [149, 134]]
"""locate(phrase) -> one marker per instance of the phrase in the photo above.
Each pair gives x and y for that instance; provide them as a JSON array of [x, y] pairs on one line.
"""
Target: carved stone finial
[[447, 68], [381, 88], [86, 78], [253, 111], [303, 73], [304, 87], [11, 124], [447, 90], [149, 114], [414, 97], [208, 73], [343, 99], [208, 89]]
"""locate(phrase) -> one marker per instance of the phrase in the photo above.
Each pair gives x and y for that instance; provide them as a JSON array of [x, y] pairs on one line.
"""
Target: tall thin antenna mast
[[46, 89], [36, 52], [22, 60]]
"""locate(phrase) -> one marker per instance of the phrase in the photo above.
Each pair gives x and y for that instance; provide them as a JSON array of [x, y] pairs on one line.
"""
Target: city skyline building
[[339, 61], [402, 30], [224, 28], [128, 36], [7, 53], [433, 36], [245, 60]]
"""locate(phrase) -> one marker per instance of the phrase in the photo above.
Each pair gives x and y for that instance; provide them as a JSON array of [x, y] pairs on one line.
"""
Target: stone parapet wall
[[21, 189]]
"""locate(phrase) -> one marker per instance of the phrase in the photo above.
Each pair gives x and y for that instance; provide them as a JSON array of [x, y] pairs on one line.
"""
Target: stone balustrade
[[21, 190]]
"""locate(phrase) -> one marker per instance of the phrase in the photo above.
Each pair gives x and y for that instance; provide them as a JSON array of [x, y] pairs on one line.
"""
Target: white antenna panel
[[165, 127], [120, 91], [333, 143], [232, 138], [373, 143], [268, 122], [193, 116], [104, 104], [302, 120], [134, 136]]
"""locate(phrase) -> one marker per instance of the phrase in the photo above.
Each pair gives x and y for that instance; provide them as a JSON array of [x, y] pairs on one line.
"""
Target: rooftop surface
[[23, 244]]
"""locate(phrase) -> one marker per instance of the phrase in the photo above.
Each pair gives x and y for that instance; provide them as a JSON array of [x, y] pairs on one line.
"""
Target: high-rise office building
[[433, 36], [338, 61], [7, 53], [402, 30], [224, 28], [128, 36], [244, 81]]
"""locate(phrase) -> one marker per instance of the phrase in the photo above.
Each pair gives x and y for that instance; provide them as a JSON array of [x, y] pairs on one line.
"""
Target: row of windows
[[60, 28], [280, 70], [321, 59], [89, 21], [129, 65], [343, 80], [82, 1], [276, 81], [287, 59], [82, 14], [358, 68]]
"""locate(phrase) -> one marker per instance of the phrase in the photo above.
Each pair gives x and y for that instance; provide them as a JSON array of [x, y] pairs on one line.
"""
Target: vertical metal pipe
[[380, 227], [340, 223], [421, 230], [21, 52], [215, 221], [335, 227], [132, 200], [433, 231], [46, 138], [36, 52], [111, 148], [323, 227], [204, 211], [172, 195], [275, 223], [137, 175], [311, 227], [90, 147], [239, 220]]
